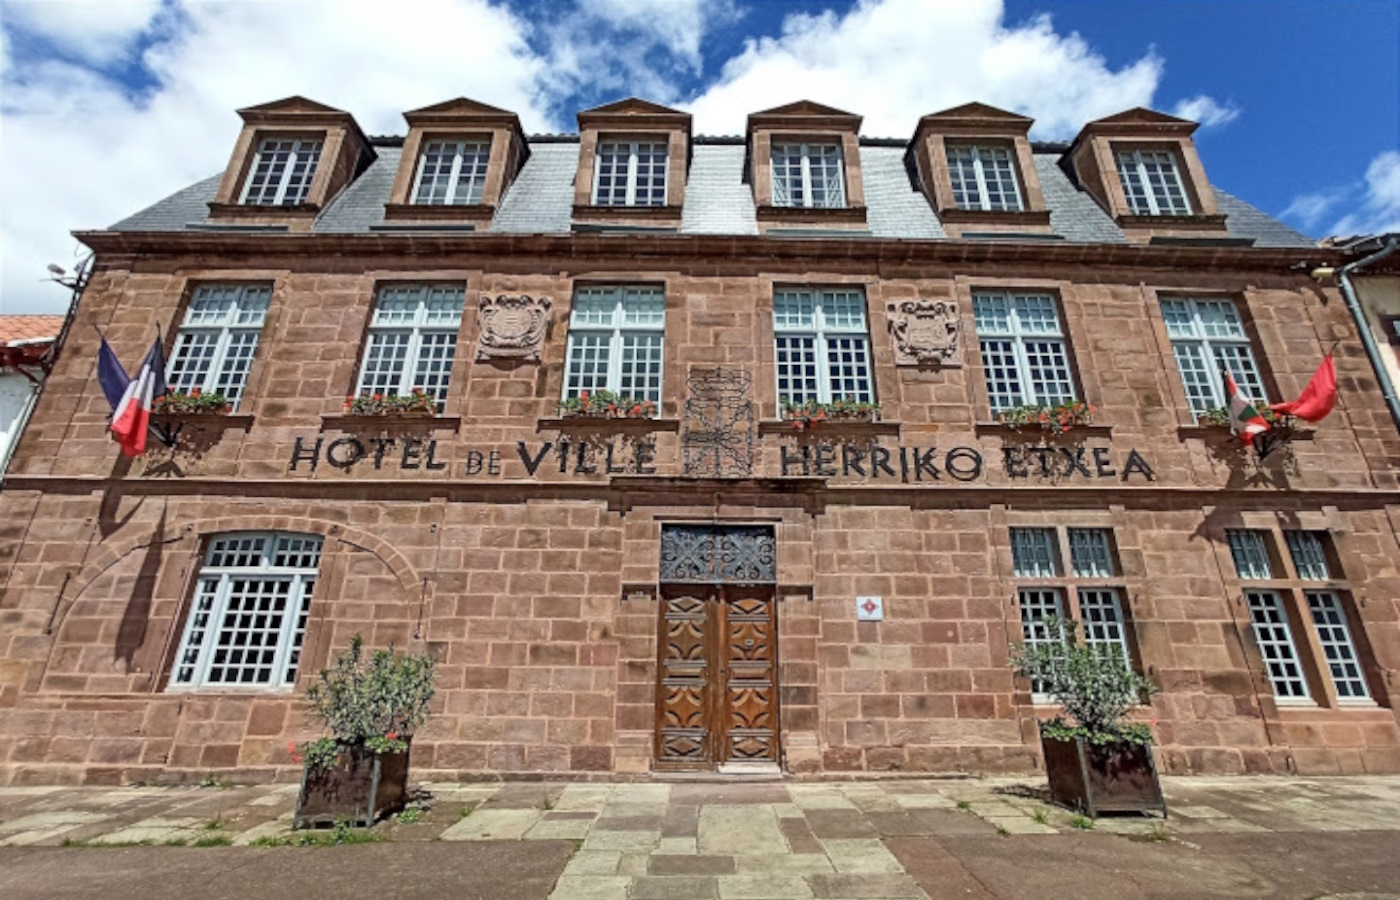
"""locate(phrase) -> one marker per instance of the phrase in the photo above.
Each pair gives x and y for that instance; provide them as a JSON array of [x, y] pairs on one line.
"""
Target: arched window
[[248, 618]]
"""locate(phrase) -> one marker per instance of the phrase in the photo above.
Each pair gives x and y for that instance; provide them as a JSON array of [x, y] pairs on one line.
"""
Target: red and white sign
[[870, 609]]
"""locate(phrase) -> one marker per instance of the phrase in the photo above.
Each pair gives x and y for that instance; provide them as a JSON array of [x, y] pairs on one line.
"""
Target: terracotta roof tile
[[29, 328]]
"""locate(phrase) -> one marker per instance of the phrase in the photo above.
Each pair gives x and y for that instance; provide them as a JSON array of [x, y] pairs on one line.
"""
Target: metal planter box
[[361, 787], [1098, 778]]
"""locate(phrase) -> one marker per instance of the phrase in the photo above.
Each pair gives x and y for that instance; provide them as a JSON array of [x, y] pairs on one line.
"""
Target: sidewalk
[[874, 840]]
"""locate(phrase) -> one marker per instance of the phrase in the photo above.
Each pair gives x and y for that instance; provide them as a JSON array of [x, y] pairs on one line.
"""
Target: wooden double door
[[717, 698]]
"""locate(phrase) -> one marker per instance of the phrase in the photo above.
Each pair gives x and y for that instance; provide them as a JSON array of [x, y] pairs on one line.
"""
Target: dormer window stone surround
[[633, 162], [804, 166], [291, 159], [459, 158], [975, 164], [1143, 169]]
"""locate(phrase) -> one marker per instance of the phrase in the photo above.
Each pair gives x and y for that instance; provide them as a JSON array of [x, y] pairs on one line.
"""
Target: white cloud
[[895, 60], [1206, 111], [95, 31], [81, 149], [1308, 209], [1378, 207]]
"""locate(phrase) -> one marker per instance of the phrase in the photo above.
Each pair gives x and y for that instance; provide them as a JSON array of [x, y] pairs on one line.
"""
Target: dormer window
[[1152, 183], [282, 172], [808, 176], [630, 173], [451, 172], [984, 177]]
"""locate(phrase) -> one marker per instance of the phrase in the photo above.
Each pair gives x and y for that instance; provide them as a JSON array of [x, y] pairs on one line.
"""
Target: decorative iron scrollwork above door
[[718, 554]]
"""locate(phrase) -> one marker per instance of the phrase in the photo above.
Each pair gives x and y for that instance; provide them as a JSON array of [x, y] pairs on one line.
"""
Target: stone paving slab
[[868, 840]]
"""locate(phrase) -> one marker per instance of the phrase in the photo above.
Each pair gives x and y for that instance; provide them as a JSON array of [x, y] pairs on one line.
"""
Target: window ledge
[[1140, 220], [472, 212], [637, 424], [957, 215], [1345, 709], [771, 213], [589, 211], [833, 427], [259, 210], [409, 422], [984, 429], [1220, 433]]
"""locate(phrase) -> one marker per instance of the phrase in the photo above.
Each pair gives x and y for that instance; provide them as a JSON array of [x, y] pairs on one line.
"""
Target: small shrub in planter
[[371, 704], [1097, 759]]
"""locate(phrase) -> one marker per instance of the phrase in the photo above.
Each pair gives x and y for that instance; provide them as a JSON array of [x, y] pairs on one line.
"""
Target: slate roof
[[717, 200]]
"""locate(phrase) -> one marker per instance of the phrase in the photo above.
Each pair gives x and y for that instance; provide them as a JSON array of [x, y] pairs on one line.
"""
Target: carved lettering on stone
[[511, 327], [925, 332]]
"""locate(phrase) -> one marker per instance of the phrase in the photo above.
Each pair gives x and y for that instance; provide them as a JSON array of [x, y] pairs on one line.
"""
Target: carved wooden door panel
[[748, 707], [685, 718]]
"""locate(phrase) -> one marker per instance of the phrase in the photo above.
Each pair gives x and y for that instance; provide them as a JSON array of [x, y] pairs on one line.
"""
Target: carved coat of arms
[[925, 332], [511, 326]]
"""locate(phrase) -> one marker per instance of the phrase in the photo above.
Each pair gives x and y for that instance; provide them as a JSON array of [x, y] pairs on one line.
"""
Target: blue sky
[[108, 105]]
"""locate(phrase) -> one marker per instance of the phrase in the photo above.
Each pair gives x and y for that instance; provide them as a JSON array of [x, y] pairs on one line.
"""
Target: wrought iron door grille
[[718, 554], [718, 435]]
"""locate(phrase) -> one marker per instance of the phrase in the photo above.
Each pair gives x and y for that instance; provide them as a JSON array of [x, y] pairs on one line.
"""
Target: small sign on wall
[[870, 609]]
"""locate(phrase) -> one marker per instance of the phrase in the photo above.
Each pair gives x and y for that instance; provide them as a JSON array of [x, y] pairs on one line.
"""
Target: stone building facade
[[701, 583]]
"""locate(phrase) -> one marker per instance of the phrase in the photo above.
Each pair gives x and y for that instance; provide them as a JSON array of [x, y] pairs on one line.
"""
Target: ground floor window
[[249, 612]]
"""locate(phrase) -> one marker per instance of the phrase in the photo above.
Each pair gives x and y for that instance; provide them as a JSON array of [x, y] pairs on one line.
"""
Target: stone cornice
[[667, 248]]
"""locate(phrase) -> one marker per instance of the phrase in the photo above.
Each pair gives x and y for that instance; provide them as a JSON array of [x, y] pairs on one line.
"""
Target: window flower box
[[416, 403], [605, 405], [1055, 419], [194, 403], [810, 415]]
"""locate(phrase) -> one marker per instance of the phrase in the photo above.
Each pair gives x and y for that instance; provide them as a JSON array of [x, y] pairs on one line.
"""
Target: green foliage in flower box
[[196, 401], [606, 405], [415, 403], [846, 409], [1055, 419]]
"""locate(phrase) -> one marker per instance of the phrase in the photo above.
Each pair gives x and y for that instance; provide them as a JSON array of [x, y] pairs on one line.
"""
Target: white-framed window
[[1024, 355], [630, 173], [1090, 553], [1275, 638], [808, 175], [1037, 605], [1309, 557], [1207, 334], [248, 618], [412, 341], [1250, 550], [282, 171], [1334, 635], [984, 178], [214, 349], [616, 339], [1033, 553], [451, 172], [1152, 182], [822, 346], [1101, 613]]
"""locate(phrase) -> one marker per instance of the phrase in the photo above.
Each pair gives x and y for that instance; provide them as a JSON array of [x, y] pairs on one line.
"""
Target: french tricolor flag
[[131, 414]]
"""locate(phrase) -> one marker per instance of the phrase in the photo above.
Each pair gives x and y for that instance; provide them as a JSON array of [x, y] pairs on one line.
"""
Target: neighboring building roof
[[717, 199], [29, 328]]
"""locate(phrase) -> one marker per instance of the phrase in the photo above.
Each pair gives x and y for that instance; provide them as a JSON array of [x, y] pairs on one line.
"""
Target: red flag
[[1317, 398]]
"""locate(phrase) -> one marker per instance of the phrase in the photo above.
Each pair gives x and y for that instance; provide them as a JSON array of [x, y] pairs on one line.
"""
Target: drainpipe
[[1368, 340]]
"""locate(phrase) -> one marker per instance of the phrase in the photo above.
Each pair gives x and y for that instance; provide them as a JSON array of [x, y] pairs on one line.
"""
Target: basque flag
[[1317, 398], [1245, 418], [132, 416]]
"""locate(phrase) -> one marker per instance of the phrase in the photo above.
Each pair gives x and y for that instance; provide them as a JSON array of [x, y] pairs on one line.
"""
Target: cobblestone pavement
[[778, 840]]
